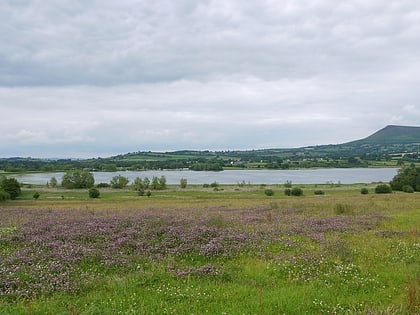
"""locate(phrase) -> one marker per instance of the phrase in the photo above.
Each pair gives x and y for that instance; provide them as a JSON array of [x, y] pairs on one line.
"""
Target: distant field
[[233, 250]]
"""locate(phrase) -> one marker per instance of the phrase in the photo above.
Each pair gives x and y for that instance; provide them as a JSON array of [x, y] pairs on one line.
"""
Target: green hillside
[[393, 135]]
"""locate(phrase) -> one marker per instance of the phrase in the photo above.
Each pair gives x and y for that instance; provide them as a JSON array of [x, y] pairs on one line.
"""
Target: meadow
[[233, 250]]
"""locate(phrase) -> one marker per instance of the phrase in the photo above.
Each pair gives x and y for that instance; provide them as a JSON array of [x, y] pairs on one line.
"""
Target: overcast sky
[[98, 78]]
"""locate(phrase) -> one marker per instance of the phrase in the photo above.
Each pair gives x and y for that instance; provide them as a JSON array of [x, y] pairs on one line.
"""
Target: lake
[[304, 176]]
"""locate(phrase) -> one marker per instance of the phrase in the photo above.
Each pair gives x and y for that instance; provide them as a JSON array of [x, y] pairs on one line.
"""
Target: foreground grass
[[234, 251]]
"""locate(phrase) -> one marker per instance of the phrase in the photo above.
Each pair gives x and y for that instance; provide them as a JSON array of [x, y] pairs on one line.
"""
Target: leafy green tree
[[53, 182], [139, 186], [158, 183], [11, 186], [119, 181], [407, 176], [36, 195], [183, 183], [162, 182], [146, 182], [77, 179], [4, 195]]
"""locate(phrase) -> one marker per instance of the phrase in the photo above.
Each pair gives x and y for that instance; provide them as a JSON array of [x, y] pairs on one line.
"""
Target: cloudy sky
[[98, 78]]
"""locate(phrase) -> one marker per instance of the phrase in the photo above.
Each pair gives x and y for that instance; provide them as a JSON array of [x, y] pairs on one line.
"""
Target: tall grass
[[240, 252]]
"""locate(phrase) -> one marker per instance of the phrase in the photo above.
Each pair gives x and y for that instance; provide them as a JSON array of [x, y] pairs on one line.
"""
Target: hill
[[392, 135], [390, 146]]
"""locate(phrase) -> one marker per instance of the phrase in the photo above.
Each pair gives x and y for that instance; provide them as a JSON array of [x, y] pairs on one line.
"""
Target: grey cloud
[[114, 76], [103, 43]]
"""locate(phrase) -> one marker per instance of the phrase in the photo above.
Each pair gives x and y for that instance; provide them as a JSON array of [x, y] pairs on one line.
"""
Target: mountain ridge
[[392, 134]]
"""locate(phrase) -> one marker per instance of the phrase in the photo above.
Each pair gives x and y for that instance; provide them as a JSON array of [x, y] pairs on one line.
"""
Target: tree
[[183, 183], [158, 183], [119, 181], [53, 182], [77, 179], [10, 186], [36, 195], [4, 195], [139, 186], [407, 176]]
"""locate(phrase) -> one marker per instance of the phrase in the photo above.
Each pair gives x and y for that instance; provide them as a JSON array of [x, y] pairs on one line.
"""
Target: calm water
[[308, 176]]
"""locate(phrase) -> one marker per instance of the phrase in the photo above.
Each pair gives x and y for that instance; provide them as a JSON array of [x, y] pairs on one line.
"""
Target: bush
[[364, 191], [36, 195], [158, 183], [183, 183], [407, 176], [296, 191], [103, 185], [78, 179], [288, 184], [269, 192], [119, 182], [94, 193], [287, 191], [408, 189], [319, 192], [10, 186], [383, 189], [4, 195], [341, 208]]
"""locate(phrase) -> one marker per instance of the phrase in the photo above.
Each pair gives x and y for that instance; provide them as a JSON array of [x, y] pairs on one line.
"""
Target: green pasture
[[337, 253]]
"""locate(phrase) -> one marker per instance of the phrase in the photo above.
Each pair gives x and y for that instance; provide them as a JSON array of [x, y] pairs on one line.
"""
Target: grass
[[199, 251]]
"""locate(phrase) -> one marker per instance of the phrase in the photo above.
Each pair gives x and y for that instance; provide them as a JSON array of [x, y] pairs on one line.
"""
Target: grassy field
[[201, 251]]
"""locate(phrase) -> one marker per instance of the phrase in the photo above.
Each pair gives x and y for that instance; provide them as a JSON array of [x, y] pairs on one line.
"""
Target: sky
[[97, 78]]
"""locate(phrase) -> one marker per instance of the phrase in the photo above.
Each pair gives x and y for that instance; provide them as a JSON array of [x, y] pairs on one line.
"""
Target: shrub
[[119, 181], [269, 192], [408, 189], [103, 185], [383, 189], [206, 185], [296, 191], [53, 182], [288, 184], [77, 179], [183, 183], [319, 192], [407, 175], [158, 183], [4, 195], [94, 193], [10, 186], [341, 208], [364, 191], [287, 191], [214, 184], [36, 195]]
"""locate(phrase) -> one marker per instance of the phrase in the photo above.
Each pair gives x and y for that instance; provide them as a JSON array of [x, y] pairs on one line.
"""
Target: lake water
[[305, 176]]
